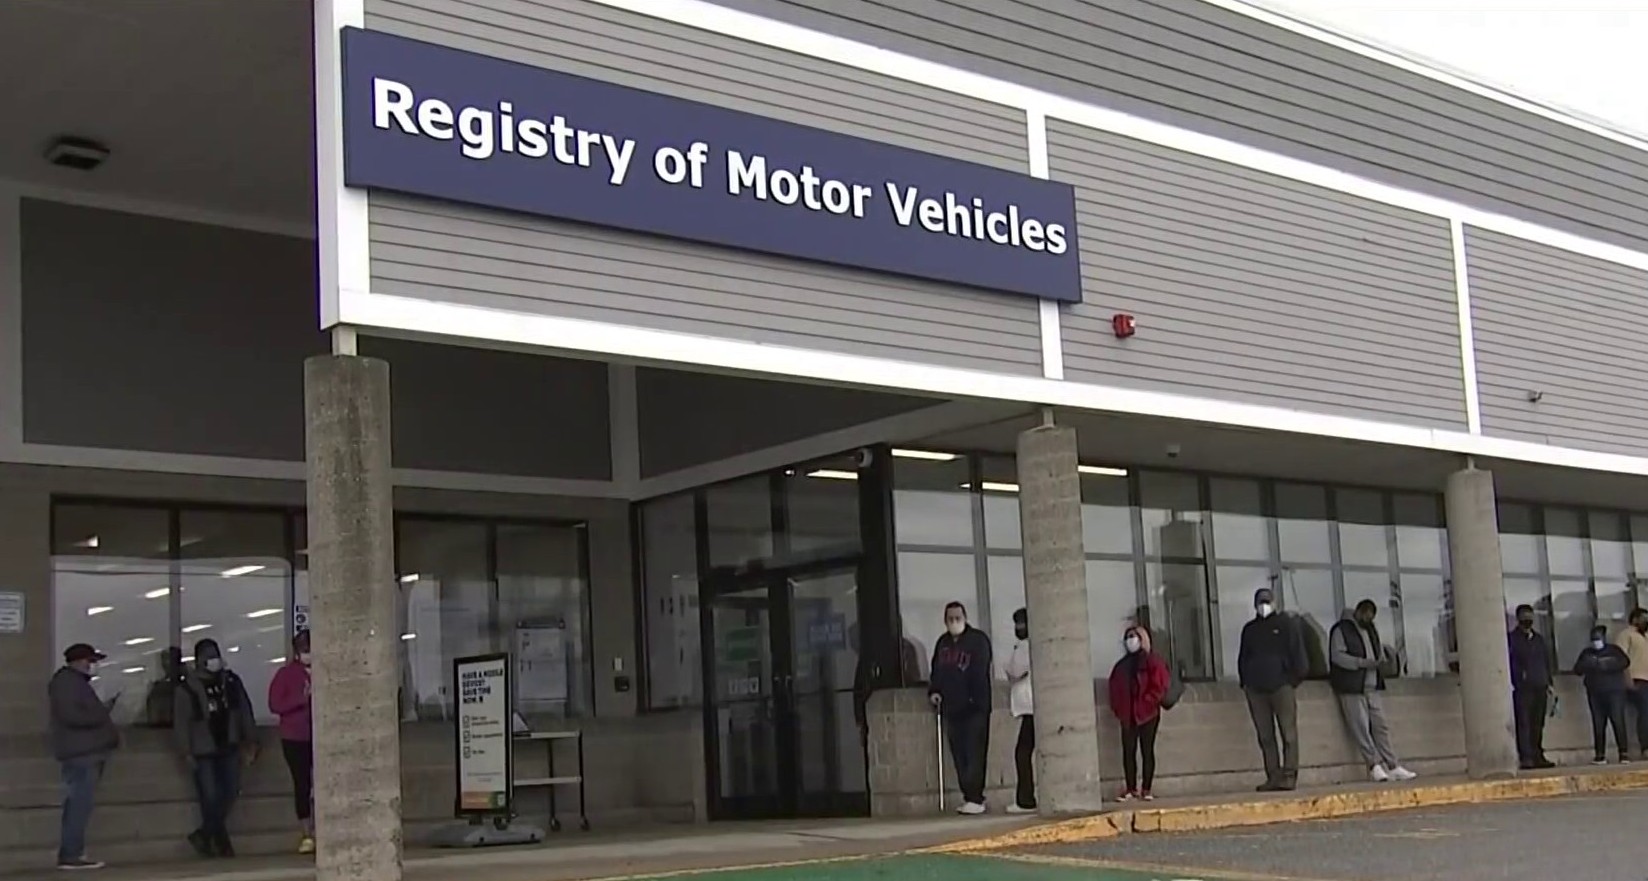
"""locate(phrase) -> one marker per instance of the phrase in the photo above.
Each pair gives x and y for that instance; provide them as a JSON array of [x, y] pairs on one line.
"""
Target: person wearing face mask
[[1356, 655], [1634, 640], [1021, 700], [1530, 689], [1603, 667], [1271, 662], [289, 699], [83, 737], [1138, 683], [959, 688], [214, 730]]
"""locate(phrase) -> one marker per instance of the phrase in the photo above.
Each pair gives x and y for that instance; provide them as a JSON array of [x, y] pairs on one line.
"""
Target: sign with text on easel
[[485, 710]]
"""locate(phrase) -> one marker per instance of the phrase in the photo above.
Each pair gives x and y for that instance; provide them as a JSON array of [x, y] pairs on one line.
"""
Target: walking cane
[[939, 719]]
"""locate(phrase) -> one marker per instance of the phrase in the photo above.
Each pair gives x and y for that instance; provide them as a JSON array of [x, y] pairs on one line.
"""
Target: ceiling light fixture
[[140, 640], [98, 610], [80, 154], [132, 670], [1102, 470], [995, 486], [928, 455], [238, 571], [157, 593], [409, 636], [88, 542], [263, 613], [196, 628], [410, 577], [833, 474]]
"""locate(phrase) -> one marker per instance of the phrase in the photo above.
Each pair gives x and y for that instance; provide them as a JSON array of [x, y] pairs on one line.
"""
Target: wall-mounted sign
[[11, 612], [432, 121], [484, 715]]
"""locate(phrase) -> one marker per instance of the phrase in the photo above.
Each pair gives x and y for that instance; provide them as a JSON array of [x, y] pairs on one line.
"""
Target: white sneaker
[[1016, 808], [1402, 774], [1379, 774], [971, 809]]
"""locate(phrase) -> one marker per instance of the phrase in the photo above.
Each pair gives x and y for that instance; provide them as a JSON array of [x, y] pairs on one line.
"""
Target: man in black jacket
[[1272, 662], [959, 689], [1530, 689], [83, 737]]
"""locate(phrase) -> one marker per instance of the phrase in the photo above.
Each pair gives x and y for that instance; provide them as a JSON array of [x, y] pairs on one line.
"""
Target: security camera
[[1173, 451], [1535, 396], [863, 457]]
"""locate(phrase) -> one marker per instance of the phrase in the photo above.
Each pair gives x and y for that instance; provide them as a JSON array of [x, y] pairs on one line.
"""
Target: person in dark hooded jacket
[[215, 733], [960, 689], [1603, 666]]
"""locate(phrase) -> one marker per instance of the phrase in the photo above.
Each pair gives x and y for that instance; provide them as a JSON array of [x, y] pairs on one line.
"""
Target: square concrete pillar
[[1479, 622], [1055, 590], [353, 616]]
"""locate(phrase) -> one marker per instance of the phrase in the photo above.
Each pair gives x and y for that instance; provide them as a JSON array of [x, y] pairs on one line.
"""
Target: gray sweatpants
[[1365, 717]]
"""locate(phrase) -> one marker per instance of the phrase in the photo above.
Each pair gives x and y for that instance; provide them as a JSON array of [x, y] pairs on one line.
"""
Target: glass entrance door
[[785, 739]]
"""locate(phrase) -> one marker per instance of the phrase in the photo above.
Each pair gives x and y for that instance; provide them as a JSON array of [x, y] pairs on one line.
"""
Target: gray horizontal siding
[[588, 39], [527, 264], [429, 249], [1201, 67], [1253, 288], [1569, 326]]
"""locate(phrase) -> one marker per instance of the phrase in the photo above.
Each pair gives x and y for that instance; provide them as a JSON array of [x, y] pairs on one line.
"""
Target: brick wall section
[[1206, 745]]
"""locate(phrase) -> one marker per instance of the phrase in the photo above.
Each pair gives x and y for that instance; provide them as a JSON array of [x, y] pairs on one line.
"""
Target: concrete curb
[[1226, 815]]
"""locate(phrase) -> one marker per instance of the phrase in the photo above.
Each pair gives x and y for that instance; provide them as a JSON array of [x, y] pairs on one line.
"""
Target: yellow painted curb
[[1226, 815]]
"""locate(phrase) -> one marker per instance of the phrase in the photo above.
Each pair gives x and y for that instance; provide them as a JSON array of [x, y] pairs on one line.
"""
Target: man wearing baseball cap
[[83, 736]]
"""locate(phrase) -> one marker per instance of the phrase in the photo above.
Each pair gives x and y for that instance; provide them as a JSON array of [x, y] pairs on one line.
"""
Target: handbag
[[1175, 691]]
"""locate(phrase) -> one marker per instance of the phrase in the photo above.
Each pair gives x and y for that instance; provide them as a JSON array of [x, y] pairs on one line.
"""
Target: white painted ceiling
[[204, 103]]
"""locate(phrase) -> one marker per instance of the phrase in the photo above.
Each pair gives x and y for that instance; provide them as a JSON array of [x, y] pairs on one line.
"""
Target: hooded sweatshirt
[[289, 699], [1603, 669], [961, 672]]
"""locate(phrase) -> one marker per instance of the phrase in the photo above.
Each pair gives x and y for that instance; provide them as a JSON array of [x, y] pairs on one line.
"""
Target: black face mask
[[1525, 624], [1021, 632]]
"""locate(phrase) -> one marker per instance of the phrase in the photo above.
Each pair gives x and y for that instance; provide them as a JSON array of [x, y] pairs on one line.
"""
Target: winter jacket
[[289, 699], [1635, 645], [1603, 669], [80, 723], [1530, 661], [1354, 652], [1137, 686], [962, 672], [191, 715], [1272, 654]]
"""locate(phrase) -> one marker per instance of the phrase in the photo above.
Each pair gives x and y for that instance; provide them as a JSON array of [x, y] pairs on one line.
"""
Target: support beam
[[352, 588], [1061, 654], [1479, 621]]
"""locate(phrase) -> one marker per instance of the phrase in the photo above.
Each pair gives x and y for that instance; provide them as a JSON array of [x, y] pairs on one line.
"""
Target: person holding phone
[[289, 699]]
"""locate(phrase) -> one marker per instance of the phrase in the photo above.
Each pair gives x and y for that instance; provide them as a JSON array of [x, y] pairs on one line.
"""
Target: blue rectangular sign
[[432, 121]]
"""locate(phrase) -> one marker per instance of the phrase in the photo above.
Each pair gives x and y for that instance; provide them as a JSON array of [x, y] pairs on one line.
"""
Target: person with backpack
[[1139, 684], [215, 732]]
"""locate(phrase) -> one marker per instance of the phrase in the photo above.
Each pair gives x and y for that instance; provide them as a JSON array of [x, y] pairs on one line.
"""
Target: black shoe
[[1544, 765], [1287, 786], [1269, 786], [201, 843], [223, 846]]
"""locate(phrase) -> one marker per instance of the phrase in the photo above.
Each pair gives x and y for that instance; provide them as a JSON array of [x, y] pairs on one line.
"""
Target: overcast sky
[[1587, 55]]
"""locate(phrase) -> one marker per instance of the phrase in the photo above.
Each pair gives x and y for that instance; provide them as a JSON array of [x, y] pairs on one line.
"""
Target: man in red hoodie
[[289, 699]]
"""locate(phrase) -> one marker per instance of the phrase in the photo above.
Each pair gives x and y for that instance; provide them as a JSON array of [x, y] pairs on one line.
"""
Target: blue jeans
[[217, 783], [80, 778]]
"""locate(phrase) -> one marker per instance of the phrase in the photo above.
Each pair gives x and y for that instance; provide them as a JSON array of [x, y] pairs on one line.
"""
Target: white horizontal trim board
[[840, 50], [642, 345], [1397, 59]]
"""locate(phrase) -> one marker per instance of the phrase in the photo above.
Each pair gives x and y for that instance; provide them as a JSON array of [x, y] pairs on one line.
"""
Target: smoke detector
[[80, 154]]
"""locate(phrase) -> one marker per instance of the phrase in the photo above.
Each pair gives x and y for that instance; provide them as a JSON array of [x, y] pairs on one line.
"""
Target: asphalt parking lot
[[1583, 838]]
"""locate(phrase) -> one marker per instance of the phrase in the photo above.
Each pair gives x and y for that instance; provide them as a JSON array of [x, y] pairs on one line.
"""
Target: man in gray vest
[[1356, 654]]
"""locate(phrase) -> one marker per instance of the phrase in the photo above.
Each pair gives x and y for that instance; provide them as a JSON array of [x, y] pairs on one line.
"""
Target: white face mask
[[1132, 643], [956, 628], [1266, 610], [213, 665], [91, 669], [303, 658], [1598, 644]]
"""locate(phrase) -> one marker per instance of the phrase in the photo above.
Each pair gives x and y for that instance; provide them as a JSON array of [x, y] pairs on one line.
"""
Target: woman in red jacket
[[1138, 683]]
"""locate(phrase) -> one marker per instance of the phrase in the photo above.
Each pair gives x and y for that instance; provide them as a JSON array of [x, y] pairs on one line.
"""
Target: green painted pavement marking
[[927, 867]]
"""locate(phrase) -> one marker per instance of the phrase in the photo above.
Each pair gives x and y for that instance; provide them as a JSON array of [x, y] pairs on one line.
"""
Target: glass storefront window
[[1518, 539], [1302, 523], [931, 504], [1639, 545], [1240, 530], [821, 510], [1363, 538], [998, 492], [1107, 515], [542, 614], [1427, 625], [669, 567], [1573, 619], [1171, 510], [1237, 584], [234, 575], [740, 521], [1610, 552], [1112, 607], [1309, 593], [1420, 535], [926, 583], [111, 587], [1614, 600], [1006, 576], [1371, 585], [447, 595], [1564, 542]]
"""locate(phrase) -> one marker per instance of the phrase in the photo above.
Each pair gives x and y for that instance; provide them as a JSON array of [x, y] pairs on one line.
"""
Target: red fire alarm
[[1123, 324]]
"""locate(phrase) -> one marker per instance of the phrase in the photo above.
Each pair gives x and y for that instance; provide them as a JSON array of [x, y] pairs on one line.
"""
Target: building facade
[[711, 330]]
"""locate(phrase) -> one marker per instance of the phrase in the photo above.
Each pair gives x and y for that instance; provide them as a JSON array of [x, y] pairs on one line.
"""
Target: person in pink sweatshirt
[[289, 699]]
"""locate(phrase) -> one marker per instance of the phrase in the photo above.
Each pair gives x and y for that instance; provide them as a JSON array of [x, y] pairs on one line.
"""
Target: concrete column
[[1061, 654], [356, 642], [1479, 621]]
